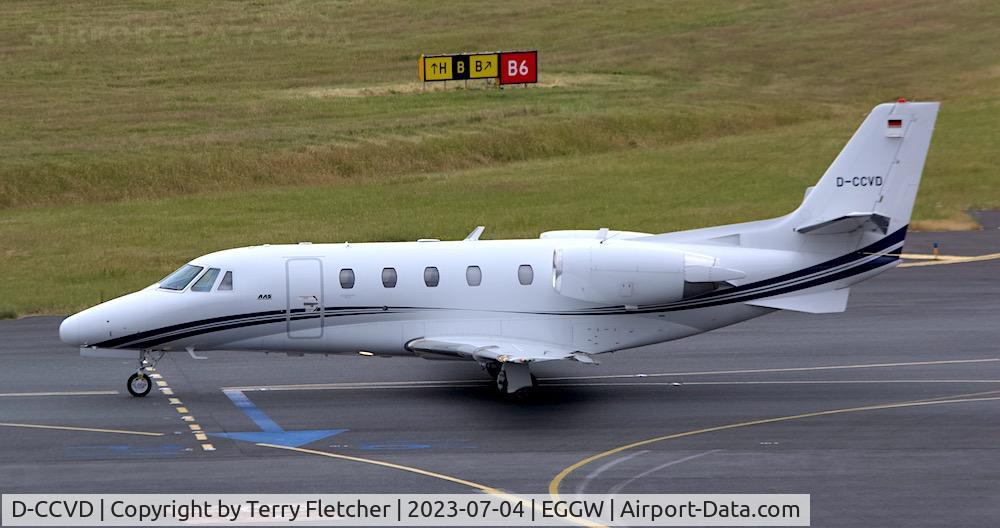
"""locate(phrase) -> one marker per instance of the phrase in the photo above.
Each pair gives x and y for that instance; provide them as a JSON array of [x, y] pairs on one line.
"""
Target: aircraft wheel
[[502, 382], [139, 384]]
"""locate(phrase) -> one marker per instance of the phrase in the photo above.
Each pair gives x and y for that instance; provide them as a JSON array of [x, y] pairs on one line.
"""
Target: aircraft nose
[[69, 331]]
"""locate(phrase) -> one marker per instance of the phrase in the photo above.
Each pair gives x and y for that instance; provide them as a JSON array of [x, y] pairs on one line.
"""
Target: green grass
[[137, 135]]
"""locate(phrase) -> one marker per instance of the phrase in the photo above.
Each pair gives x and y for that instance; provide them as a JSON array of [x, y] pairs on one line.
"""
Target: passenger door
[[304, 281]]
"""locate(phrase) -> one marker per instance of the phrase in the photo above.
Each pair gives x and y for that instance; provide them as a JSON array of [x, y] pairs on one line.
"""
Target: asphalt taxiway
[[888, 414]]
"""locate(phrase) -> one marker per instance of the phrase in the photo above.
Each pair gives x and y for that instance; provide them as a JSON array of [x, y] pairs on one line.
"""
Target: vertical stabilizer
[[865, 195], [876, 174]]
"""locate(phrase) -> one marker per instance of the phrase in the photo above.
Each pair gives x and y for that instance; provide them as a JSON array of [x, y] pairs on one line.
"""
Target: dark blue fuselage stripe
[[136, 341], [818, 274], [150, 333], [198, 331]]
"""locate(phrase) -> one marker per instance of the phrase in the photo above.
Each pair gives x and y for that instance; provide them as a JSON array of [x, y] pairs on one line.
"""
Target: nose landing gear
[[139, 384]]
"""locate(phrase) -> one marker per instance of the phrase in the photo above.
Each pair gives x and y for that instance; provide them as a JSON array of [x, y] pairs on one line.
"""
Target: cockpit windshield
[[179, 279], [206, 281]]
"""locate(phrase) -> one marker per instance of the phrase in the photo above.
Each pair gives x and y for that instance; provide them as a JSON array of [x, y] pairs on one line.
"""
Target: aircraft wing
[[493, 348]]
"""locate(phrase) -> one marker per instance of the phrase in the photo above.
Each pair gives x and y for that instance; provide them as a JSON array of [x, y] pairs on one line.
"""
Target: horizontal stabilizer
[[831, 301], [846, 224]]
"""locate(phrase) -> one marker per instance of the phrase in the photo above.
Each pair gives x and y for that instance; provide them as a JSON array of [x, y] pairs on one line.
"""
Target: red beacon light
[[901, 100]]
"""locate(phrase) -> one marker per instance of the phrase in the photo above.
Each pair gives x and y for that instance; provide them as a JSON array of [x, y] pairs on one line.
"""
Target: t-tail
[[865, 196], [872, 184], [850, 226]]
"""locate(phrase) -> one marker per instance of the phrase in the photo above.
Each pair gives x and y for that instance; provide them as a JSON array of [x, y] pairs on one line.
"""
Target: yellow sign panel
[[483, 66], [437, 69]]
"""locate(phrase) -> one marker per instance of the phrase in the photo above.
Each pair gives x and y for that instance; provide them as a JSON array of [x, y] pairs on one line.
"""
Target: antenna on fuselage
[[475, 234]]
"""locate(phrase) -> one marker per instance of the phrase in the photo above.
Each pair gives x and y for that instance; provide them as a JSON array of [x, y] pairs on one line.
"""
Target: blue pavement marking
[[272, 433], [265, 423]]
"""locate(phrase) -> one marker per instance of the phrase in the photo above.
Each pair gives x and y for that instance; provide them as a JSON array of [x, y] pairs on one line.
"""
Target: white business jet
[[568, 295]]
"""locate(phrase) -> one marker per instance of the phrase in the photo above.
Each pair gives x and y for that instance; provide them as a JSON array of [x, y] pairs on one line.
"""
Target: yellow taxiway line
[[448, 478], [928, 256], [558, 479], [958, 398], [931, 260], [183, 411], [468, 483], [85, 429]]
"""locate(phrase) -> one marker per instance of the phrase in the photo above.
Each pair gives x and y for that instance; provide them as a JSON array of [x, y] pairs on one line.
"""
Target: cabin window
[[473, 275], [431, 276], [206, 281], [179, 279], [346, 278], [389, 277], [525, 275], [227, 282]]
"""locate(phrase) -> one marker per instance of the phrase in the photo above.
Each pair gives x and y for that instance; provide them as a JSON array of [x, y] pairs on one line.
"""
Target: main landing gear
[[139, 384], [510, 378]]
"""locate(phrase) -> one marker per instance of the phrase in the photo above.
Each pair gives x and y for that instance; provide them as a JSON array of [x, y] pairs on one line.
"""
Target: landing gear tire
[[514, 380], [501, 381], [139, 384]]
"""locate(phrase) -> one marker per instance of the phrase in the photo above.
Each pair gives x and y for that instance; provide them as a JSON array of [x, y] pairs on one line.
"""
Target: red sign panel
[[519, 67]]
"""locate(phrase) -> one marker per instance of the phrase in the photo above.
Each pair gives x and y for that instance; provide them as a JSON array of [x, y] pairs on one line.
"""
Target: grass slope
[[137, 135]]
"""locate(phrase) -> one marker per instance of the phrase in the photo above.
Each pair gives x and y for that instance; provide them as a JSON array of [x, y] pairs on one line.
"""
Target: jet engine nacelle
[[622, 273], [636, 273]]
